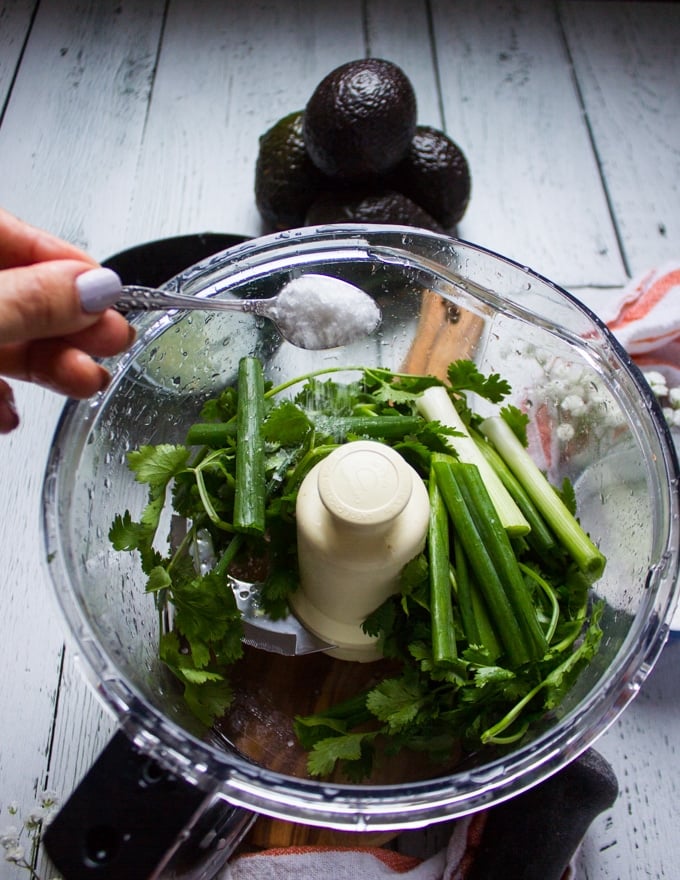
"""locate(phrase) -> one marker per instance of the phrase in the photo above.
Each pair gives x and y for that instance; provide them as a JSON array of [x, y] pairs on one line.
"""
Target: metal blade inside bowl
[[285, 635]]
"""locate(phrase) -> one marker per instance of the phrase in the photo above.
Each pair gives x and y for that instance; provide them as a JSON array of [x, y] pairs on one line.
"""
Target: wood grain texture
[[401, 33], [73, 125], [511, 103], [226, 73], [31, 629], [627, 64], [15, 22], [638, 837]]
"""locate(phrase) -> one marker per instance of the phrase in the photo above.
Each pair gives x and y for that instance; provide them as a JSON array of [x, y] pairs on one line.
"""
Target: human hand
[[46, 336]]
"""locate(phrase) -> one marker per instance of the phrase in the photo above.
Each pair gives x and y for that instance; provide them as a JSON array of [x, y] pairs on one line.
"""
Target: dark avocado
[[360, 119], [435, 174], [373, 206], [286, 179]]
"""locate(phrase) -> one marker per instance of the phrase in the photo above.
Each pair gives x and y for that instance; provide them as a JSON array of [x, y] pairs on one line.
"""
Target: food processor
[[185, 794]]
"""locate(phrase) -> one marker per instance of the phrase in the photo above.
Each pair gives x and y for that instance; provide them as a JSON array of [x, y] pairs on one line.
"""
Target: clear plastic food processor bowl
[[440, 299]]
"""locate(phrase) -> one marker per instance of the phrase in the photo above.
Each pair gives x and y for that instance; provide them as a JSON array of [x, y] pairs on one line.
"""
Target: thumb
[[54, 298]]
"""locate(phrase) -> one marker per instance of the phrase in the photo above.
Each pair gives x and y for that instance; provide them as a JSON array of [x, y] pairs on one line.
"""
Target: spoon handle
[[149, 299]]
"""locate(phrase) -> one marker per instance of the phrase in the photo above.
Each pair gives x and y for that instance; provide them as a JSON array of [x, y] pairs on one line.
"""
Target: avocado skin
[[360, 119], [435, 174], [286, 179], [380, 205]]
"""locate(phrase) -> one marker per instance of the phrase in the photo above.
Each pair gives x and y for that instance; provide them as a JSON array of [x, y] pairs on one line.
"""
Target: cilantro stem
[[225, 560], [441, 607], [296, 380], [551, 596], [250, 488], [491, 734], [565, 526], [204, 494], [304, 466]]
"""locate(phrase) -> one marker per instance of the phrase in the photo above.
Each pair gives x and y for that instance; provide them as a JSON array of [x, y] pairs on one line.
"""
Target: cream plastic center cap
[[365, 483], [362, 514]]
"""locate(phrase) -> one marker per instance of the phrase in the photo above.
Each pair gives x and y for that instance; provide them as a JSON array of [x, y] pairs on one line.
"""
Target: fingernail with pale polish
[[98, 289]]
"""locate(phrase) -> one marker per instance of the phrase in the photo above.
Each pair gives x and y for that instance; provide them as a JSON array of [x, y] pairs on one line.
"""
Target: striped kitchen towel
[[645, 318]]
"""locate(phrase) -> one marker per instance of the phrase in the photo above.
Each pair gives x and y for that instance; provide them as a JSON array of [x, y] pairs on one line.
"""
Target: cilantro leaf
[[157, 465], [345, 747], [397, 701], [207, 616], [518, 421], [125, 534], [568, 495], [426, 705], [159, 579], [463, 375], [286, 424], [208, 700], [562, 678]]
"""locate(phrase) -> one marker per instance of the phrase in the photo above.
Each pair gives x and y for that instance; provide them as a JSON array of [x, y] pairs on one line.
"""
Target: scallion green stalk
[[250, 488], [500, 550], [565, 526], [444, 649], [517, 647]]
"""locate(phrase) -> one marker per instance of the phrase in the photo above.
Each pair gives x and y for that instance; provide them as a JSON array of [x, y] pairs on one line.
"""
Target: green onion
[[463, 589], [216, 435], [441, 606], [517, 647], [540, 538], [565, 526], [502, 555], [250, 490], [436, 406], [386, 427]]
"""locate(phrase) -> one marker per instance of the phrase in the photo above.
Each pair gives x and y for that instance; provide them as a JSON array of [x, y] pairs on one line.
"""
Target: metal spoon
[[311, 311]]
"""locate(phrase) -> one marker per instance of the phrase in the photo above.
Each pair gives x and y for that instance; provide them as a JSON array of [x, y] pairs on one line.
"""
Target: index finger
[[44, 300]]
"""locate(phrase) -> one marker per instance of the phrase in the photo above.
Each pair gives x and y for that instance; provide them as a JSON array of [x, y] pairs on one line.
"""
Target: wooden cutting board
[[269, 691]]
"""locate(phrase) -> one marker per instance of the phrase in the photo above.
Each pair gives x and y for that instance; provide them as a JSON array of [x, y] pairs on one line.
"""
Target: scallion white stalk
[[435, 405]]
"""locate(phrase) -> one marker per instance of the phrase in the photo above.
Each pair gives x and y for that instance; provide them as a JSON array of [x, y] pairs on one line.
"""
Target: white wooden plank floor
[[122, 122]]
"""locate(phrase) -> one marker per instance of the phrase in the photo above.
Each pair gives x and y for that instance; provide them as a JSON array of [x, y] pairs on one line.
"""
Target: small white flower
[[34, 819], [657, 382], [9, 837], [15, 854], [574, 404], [674, 397], [565, 432], [49, 799]]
